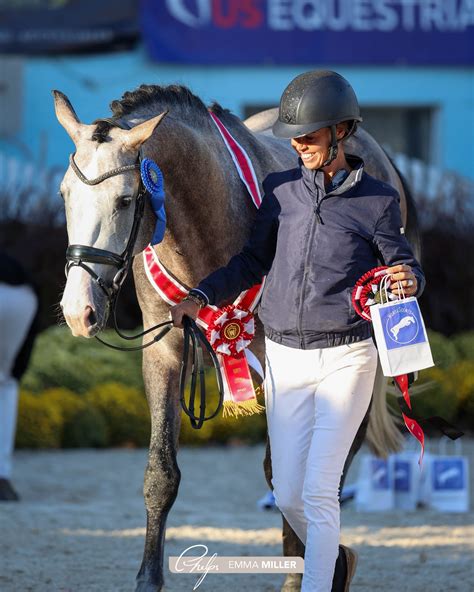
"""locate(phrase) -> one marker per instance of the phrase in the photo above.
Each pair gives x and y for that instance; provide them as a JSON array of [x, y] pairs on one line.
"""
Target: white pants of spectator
[[316, 400], [17, 309]]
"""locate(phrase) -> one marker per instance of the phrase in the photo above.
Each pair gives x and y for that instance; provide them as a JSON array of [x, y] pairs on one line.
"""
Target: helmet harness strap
[[333, 148]]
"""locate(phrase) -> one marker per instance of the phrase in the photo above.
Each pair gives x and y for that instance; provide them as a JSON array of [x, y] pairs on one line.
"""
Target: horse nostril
[[92, 317]]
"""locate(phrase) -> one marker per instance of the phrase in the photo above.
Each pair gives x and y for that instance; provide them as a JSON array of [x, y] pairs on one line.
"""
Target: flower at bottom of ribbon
[[231, 330]]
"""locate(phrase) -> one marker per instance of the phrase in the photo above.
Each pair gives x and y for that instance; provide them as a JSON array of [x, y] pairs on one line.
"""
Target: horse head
[[101, 190]]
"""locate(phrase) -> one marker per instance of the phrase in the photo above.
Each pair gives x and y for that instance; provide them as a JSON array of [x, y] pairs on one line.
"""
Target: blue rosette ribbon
[[152, 178]]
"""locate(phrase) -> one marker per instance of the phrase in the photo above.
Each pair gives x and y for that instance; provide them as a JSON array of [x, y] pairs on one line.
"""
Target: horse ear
[[139, 134], [66, 115]]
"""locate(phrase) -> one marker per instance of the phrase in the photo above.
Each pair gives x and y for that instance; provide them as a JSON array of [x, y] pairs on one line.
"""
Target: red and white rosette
[[368, 290], [231, 330]]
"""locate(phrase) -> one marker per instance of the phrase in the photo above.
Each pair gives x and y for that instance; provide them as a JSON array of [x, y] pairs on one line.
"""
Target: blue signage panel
[[64, 26], [413, 32], [448, 473]]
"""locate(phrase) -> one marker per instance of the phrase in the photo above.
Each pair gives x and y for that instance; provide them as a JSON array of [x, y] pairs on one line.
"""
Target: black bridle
[[81, 255]]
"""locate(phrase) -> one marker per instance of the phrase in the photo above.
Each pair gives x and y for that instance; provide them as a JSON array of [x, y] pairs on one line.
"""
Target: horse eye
[[124, 202]]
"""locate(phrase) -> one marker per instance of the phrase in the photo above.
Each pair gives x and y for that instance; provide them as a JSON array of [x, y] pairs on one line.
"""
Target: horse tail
[[384, 435], [383, 430]]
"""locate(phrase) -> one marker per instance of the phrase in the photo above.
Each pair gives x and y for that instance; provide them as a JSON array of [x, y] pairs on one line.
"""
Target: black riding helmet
[[313, 100]]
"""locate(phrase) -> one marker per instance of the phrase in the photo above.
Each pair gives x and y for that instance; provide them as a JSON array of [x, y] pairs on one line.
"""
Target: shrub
[[87, 429], [59, 418], [125, 411], [461, 384], [246, 429], [83, 425], [436, 398], [443, 349], [39, 425], [61, 360], [464, 344]]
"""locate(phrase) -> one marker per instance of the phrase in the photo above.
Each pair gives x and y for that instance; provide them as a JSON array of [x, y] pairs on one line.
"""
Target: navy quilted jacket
[[313, 246]]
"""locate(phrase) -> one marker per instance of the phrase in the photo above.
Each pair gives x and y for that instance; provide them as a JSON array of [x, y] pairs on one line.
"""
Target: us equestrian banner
[[413, 32], [45, 26]]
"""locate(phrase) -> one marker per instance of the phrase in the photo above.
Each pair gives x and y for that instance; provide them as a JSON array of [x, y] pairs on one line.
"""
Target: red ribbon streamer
[[412, 425]]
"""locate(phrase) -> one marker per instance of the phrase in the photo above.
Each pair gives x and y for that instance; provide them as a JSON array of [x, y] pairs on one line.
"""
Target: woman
[[321, 226]]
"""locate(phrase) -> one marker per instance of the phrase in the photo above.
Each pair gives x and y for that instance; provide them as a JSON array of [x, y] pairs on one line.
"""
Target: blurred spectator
[[18, 327]]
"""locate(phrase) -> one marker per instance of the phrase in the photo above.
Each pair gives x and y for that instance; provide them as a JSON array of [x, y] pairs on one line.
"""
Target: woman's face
[[313, 148]]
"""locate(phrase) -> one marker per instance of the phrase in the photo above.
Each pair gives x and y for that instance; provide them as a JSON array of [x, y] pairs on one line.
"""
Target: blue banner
[[244, 32], [67, 26]]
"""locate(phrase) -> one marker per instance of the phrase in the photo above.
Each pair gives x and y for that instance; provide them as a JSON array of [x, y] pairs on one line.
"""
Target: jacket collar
[[314, 180]]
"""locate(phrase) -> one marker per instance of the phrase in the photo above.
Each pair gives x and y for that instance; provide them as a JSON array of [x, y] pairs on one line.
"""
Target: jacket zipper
[[314, 224]]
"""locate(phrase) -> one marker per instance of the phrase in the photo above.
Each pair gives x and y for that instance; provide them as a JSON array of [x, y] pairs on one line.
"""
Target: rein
[[80, 255]]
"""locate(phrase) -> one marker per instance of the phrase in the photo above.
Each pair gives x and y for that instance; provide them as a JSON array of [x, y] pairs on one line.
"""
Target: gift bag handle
[[384, 288]]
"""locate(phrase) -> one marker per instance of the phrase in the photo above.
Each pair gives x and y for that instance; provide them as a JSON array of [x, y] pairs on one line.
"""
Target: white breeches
[[316, 400], [17, 309]]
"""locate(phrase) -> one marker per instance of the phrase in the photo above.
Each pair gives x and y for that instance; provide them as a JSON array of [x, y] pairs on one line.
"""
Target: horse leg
[[162, 474], [292, 545]]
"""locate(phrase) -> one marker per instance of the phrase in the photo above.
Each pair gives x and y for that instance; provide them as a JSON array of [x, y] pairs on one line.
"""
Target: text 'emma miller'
[[205, 563]]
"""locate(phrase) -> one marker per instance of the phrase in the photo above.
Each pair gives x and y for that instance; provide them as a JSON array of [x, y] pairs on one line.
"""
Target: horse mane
[[150, 99]]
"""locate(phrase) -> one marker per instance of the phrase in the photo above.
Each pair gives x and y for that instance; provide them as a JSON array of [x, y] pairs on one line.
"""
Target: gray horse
[[209, 215]]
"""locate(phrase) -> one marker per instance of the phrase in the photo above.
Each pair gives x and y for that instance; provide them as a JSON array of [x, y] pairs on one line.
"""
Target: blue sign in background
[[448, 474], [242, 32], [379, 473], [66, 26], [402, 479]]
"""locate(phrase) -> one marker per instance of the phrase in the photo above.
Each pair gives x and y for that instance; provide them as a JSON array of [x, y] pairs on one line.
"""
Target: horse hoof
[[148, 587], [292, 583], [7, 493]]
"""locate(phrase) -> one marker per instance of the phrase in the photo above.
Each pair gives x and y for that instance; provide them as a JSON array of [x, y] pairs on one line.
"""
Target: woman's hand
[[185, 307], [402, 274]]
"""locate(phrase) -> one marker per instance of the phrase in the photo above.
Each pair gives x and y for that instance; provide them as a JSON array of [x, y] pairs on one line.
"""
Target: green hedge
[[39, 425], [223, 430], [112, 414], [125, 411], [77, 393], [78, 364]]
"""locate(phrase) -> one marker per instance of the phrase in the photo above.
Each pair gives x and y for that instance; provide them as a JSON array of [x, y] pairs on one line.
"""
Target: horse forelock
[[101, 131]]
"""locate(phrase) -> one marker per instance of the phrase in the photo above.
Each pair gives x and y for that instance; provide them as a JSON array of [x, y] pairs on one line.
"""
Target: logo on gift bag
[[448, 474], [402, 475], [379, 474], [401, 325]]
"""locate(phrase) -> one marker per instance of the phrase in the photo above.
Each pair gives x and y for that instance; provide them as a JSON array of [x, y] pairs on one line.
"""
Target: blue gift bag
[[401, 338]]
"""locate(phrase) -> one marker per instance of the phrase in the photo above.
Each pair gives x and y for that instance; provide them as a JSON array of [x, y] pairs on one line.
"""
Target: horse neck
[[206, 206]]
